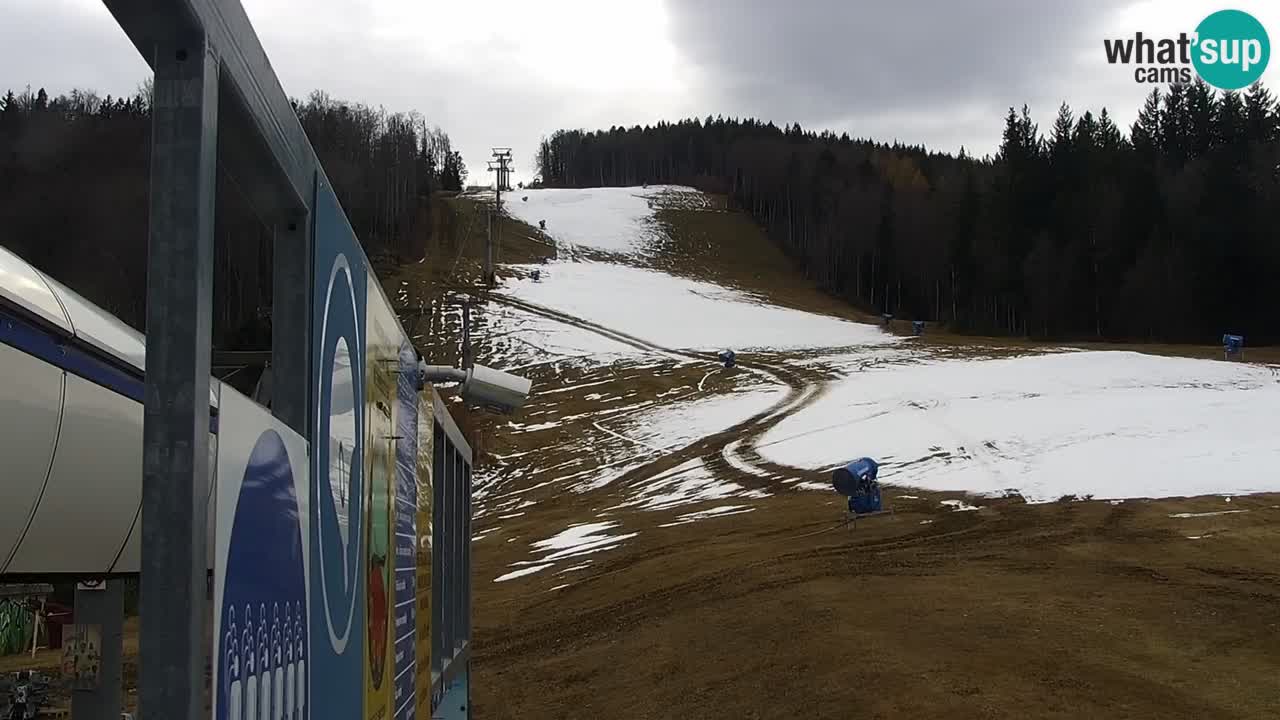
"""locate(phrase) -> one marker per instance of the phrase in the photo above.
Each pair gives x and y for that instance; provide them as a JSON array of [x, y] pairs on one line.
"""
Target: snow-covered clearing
[[1106, 424]]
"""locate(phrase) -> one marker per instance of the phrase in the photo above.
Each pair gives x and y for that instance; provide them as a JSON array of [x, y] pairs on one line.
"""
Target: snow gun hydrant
[[857, 481]]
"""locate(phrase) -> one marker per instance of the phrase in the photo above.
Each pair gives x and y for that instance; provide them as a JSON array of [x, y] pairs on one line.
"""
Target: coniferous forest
[[1167, 232], [73, 196]]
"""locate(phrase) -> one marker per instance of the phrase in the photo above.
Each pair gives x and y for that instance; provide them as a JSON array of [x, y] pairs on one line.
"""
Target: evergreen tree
[[1146, 134], [1174, 125], [1262, 124], [1201, 113], [1062, 140]]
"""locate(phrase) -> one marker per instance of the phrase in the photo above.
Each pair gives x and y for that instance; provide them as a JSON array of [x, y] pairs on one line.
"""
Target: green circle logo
[[1232, 49]]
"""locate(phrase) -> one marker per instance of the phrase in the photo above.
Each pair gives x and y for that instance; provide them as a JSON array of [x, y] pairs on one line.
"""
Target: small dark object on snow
[[525, 198], [857, 481], [1233, 345], [542, 224], [917, 327], [537, 275], [728, 358]]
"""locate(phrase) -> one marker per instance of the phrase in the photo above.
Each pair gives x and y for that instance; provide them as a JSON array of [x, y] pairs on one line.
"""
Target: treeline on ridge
[[73, 196], [1168, 232]]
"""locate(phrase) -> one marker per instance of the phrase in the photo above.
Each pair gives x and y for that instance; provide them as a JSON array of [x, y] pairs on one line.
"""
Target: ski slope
[[1063, 423], [663, 309]]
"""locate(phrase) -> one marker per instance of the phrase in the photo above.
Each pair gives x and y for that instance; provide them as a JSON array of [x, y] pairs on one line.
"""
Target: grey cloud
[[827, 61]]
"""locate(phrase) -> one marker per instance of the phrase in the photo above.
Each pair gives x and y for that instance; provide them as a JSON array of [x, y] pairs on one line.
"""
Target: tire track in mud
[[804, 387]]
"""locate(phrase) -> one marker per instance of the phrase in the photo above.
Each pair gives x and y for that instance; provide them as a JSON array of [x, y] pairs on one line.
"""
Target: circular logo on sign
[[337, 487], [1232, 49]]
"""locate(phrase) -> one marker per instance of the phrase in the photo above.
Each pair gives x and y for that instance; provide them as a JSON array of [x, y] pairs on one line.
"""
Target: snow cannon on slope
[[857, 481], [1233, 346], [728, 358]]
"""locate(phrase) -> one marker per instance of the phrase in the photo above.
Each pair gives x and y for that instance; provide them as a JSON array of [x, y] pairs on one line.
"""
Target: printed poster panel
[[382, 365], [405, 538], [261, 567], [337, 580], [423, 527]]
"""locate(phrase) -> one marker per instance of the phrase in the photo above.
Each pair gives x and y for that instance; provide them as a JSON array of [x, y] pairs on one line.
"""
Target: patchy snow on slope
[[513, 338], [689, 483], [680, 313], [613, 219], [646, 434], [578, 540], [676, 424], [1106, 424]]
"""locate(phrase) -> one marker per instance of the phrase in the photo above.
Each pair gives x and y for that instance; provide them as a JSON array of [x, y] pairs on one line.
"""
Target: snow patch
[[719, 511], [522, 572], [1105, 424], [581, 539], [1206, 514]]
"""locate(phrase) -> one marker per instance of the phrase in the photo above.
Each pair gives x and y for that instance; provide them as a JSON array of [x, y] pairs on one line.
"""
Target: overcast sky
[[504, 72]]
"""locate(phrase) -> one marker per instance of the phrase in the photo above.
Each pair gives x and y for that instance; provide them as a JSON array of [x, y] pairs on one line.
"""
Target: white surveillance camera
[[481, 385], [495, 389]]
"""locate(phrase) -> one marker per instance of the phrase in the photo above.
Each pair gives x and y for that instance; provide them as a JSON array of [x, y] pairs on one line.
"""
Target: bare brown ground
[[1048, 611]]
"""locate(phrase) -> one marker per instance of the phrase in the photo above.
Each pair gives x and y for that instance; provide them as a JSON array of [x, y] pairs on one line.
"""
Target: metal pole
[[175, 461], [493, 226], [290, 322], [488, 251], [102, 606], [466, 334]]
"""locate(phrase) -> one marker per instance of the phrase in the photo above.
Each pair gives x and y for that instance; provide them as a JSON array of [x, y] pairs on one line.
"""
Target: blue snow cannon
[[857, 481], [1233, 344], [728, 358]]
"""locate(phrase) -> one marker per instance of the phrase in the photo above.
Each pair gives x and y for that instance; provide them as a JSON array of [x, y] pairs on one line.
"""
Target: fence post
[[175, 464]]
